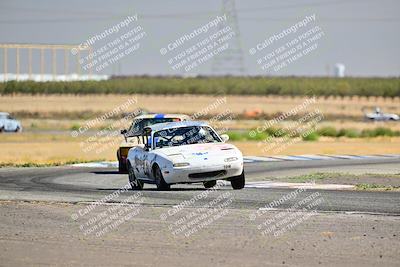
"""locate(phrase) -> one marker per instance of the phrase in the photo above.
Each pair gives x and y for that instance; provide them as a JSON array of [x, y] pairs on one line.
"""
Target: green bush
[[350, 133], [275, 132], [236, 136], [253, 135], [313, 136], [258, 136], [75, 127], [328, 131], [247, 136], [291, 86], [380, 131]]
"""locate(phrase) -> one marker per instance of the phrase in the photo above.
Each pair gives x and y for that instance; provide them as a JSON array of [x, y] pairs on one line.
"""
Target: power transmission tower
[[231, 60]]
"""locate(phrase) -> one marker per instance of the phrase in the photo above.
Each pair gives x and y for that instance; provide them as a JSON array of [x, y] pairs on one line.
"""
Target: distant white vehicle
[[378, 115], [184, 152], [8, 123]]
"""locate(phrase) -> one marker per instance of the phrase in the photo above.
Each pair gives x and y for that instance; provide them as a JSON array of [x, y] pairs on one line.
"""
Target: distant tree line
[[289, 86]]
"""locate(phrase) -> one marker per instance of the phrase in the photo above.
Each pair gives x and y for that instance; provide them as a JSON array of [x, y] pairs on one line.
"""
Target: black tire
[[209, 184], [238, 182], [160, 182], [133, 181], [122, 168]]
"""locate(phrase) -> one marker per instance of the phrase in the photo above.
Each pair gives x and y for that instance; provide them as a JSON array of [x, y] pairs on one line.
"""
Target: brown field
[[65, 125], [329, 146], [191, 103], [48, 140], [46, 148], [338, 124]]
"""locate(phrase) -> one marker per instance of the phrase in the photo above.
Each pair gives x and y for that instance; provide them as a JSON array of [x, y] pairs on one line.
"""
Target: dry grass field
[[67, 125], [333, 108], [48, 140], [47, 148], [191, 103]]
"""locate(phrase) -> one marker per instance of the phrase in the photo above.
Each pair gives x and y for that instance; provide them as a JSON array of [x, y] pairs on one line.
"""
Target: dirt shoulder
[[44, 234]]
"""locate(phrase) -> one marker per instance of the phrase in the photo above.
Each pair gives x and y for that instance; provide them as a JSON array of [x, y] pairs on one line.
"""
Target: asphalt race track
[[78, 184], [50, 217]]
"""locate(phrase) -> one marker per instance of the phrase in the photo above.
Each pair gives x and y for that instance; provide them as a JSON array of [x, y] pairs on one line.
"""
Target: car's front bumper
[[193, 174]]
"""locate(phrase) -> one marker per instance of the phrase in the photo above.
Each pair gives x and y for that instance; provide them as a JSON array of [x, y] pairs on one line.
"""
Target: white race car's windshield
[[185, 136]]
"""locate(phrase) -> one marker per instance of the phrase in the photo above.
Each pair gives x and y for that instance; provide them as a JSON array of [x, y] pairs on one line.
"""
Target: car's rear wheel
[[135, 183], [160, 182], [238, 182], [209, 184]]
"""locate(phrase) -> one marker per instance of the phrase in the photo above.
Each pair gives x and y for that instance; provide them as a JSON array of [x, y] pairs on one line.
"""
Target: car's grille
[[207, 174]]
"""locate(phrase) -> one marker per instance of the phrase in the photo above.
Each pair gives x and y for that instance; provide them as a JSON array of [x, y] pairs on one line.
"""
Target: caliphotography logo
[[199, 133]]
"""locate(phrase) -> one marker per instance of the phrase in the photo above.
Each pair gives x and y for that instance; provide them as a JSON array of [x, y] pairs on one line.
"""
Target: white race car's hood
[[207, 150]]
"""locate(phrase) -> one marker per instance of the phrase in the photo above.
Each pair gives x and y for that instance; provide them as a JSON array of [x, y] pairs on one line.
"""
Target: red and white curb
[[252, 159], [285, 185], [99, 164], [269, 184]]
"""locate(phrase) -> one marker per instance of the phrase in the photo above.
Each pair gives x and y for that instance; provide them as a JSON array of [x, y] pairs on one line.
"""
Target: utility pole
[[231, 60]]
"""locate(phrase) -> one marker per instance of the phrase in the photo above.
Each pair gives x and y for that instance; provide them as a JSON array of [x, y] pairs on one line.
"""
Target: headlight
[[181, 164], [231, 159]]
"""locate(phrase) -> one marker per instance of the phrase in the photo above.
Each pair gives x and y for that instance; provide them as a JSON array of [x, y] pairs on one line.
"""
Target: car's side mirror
[[124, 131], [224, 137]]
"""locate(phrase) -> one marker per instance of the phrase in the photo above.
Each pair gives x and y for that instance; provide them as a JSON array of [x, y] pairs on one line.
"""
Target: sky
[[363, 35]]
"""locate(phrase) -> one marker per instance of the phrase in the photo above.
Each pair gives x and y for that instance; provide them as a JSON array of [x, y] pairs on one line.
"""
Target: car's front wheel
[[135, 183], [160, 182], [238, 182]]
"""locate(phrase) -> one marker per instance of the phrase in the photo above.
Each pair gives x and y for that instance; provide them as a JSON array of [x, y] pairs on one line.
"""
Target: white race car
[[184, 152], [378, 115], [8, 123]]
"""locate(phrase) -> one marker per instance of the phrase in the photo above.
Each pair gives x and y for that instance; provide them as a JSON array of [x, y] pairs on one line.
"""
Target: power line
[[186, 15], [80, 20], [231, 60]]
